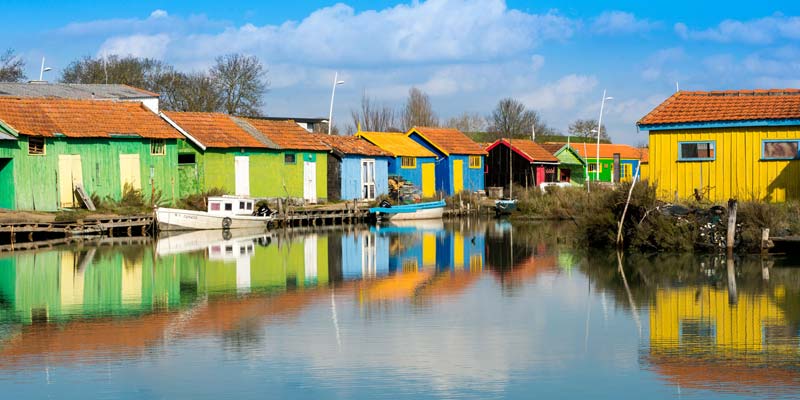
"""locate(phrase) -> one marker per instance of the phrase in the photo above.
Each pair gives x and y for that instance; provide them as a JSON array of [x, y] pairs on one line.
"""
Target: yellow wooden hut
[[726, 144]]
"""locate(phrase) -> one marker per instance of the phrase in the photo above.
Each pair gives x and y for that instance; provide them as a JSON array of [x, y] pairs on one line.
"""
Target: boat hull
[[431, 210], [173, 219], [430, 213]]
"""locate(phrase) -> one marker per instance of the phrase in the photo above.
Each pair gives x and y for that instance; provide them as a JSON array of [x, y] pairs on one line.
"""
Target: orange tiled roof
[[645, 155], [351, 145], [215, 130], [528, 149], [449, 140], [607, 150], [728, 105], [552, 148], [83, 118], [286, 134]]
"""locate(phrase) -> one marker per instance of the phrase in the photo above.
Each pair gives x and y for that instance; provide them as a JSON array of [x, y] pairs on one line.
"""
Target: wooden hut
[[618, 162], [410, 160], [729, 144], [521, 160], [459, 159], [357, 169], [571, 166], [53, 145]]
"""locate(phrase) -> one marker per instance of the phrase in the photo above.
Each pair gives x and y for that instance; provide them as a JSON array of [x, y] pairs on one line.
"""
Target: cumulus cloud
[[150, 46], [662, 60], [562, 94], [756, 31], [621, 22]]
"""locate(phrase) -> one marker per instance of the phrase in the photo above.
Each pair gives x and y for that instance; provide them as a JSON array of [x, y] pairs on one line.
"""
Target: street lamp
[[43, 70], [336, 82], [599, 125]]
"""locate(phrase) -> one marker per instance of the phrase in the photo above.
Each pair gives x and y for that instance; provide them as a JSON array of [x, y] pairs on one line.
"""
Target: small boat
[[429, 210], [224, 212], [505, 206]]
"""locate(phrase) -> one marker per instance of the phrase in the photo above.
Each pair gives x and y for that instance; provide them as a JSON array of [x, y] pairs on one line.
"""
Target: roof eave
[[415, 130], [182, 131], [719, 124]]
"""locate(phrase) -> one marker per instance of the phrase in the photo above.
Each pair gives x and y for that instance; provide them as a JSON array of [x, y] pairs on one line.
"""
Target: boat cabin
[[230, 205]]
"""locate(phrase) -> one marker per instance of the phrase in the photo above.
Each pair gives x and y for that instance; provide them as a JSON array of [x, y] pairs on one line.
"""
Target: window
[[157, 146], [241, 205], [289, 158], [35, 146], [185, 158], [474, 161], [214, 206], [228, 207], [696, 151], [780, 149], [408, 162], [592, 167]]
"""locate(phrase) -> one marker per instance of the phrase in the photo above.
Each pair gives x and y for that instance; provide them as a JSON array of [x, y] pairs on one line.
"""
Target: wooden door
[[69, 175], [428, 180], [310, 181], [241, 166], [458, 176], [130, 172]]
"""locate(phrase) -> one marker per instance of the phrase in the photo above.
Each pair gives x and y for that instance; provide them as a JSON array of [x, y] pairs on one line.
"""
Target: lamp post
[[336, 82], [599, 125], [43, 70]]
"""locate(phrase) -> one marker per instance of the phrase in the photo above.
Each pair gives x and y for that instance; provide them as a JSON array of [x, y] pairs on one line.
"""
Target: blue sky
[[556, 57]]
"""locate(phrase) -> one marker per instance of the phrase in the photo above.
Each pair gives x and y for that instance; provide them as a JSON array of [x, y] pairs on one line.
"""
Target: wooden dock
[[320, 217], [23, 234]]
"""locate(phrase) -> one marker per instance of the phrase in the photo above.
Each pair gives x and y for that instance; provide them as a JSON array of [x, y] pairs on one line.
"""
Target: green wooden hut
[[571, 166], [49, 146], [249, 157]]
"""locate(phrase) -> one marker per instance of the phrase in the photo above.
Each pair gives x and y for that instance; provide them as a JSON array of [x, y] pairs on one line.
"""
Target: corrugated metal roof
[[75, 91], [83, 118], [398, 144]]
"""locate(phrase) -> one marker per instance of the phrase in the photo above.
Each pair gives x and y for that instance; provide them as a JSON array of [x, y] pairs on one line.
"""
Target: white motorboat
[[224, 212], [417, 211]]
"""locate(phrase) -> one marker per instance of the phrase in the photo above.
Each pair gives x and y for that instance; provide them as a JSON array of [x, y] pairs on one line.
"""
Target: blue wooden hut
[[410, 160], [459, 159], [357, 169]]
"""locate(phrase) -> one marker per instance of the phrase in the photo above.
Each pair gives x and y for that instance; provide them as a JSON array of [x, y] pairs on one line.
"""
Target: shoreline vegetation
[[653, 225]]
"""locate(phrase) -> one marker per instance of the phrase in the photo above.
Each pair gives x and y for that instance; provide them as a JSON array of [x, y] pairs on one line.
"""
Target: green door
[[7, 183]]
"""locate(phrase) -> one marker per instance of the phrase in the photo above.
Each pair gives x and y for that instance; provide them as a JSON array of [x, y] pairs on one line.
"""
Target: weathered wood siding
[[334, 178], [738, 171], [351, 177]]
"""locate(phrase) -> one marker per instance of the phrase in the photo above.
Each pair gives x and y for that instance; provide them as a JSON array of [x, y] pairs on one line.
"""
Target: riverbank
[[652, 225]]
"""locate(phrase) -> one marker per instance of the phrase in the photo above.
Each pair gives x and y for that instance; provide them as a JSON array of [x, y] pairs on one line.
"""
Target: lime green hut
[[249, 157], [48, 147]]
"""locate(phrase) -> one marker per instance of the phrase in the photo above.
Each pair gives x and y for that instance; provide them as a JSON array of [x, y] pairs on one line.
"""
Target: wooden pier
[[320, 217], [21, 235]]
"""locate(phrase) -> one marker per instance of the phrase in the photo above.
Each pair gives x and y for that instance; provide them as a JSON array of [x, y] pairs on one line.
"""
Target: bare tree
[[189, 92], [134, 71], [584, 128], [468, 122], [511, 119], [11, 67], [418, 110], [373, 117], [241, 83]]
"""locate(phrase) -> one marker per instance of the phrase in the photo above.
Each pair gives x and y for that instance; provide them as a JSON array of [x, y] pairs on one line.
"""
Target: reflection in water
[[466, 309]]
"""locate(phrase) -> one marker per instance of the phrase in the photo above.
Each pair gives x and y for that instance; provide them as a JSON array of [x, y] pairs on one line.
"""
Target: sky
[[555, 57]]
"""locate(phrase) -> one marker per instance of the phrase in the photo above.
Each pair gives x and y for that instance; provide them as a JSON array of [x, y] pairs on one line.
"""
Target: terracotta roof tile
[[528, 149], [83, 118], [351, 145], [607, 150], [215, 130], [286, 134], [397, 144], [449, 140], [553, 148], [725, 106]]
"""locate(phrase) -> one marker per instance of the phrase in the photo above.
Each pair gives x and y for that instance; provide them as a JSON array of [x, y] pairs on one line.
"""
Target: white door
[[310, 181], [242, 172], [368, 256], [368, 179], [130, 172], [310, 247]]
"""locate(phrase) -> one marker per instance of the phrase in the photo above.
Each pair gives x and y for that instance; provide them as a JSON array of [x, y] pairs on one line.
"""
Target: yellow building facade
[[720, 145]]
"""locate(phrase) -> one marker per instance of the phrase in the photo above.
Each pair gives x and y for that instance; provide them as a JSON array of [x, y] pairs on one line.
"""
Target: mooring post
[[765, 246], [732, 206], [733, 296]]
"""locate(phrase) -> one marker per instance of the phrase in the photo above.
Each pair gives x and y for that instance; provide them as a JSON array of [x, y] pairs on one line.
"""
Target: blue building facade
[[460, 161], [353, 170]]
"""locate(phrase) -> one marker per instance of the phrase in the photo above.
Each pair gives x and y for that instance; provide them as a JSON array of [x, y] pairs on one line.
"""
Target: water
[[467, 310]]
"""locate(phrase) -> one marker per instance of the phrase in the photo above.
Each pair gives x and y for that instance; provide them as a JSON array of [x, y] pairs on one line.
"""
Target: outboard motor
[[385, 204], [263, 211]]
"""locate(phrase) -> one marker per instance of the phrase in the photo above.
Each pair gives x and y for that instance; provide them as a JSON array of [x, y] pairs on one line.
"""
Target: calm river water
[[474, 309]]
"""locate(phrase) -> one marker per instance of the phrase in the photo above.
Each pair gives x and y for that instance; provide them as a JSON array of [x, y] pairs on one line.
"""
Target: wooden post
[[732, 207], [733, 296]]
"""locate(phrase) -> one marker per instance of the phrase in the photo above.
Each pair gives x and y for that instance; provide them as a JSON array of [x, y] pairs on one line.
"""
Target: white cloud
[[620, 22], [757, 31], [663, 64], [150, 46], [158, 14], [562, 94]]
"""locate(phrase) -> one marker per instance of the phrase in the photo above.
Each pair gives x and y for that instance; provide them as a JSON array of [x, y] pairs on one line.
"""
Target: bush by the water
[[198, 201]]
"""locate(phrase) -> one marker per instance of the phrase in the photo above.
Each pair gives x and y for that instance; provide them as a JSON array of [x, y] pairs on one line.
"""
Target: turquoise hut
[[357, 169], [459, 159], [410, 160]]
